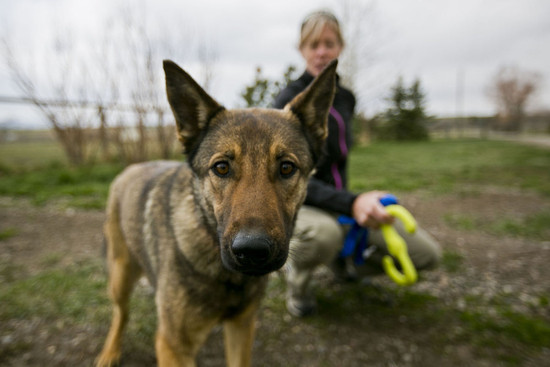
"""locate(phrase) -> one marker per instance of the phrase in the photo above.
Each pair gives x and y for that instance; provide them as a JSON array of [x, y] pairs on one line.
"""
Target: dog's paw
[[108, 359]]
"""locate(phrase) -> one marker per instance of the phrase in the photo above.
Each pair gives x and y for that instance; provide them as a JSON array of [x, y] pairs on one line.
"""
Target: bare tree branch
[[511, 89], [112, 85]]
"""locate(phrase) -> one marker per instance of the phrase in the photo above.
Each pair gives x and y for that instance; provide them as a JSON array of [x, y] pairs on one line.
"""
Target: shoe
[[300, 299], [301, 306], [344, 269]]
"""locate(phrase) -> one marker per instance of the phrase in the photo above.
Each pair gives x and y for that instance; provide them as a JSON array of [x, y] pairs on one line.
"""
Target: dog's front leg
[[178, 348], [181, 331], [169, 355], [239, 336]]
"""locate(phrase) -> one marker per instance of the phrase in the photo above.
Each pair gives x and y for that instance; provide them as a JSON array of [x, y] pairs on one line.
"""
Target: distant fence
[[126, 117], [85, 105], [458, 127]]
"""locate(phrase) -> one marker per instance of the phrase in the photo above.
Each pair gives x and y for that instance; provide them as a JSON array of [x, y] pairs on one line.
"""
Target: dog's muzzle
[[254, 254]]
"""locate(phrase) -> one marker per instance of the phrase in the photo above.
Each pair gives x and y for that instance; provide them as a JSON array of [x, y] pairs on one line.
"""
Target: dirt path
[[491, 267], [539, 140]]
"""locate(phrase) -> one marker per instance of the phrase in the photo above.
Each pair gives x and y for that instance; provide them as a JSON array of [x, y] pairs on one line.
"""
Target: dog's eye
[[287, 169], [221, 169]]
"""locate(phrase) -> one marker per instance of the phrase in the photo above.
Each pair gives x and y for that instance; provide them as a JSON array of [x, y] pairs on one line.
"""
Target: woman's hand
[[369, 212]]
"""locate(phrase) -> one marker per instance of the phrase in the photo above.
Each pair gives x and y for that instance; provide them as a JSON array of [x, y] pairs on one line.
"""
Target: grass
[[508, 326], [7, 233], [84, 187], [450, 166], [534, 226], [75, 295], [452, 261], [31, 155], [503, 332], [461, 222], [38, 171]]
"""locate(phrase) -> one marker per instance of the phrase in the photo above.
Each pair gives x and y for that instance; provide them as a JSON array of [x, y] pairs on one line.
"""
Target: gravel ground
[[513, 270]]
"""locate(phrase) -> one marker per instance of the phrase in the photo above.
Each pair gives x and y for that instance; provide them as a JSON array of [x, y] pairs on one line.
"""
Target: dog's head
[[251, 165]]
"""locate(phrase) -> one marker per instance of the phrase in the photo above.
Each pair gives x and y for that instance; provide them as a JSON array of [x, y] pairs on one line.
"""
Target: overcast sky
[[453, 47]]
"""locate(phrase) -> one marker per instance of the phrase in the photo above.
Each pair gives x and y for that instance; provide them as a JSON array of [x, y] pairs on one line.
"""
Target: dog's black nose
[[251, 249]]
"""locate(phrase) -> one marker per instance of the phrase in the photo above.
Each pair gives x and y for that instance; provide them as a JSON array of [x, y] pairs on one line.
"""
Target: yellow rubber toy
[[397, 247]]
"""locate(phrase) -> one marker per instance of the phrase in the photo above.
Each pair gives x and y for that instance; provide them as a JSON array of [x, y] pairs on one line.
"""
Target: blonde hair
[[313, 26]]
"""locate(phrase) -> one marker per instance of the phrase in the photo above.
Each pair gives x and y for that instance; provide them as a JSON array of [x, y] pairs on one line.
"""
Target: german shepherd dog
[[206, 232]]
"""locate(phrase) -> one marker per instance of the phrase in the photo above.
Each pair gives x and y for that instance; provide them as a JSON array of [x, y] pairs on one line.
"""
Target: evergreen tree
[[406, 118], [263, 91]]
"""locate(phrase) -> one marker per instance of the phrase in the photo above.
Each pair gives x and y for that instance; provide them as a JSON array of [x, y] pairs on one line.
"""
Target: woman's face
[[319, 52]]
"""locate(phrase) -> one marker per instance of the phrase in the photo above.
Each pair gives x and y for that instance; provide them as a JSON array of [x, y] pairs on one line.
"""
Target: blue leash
[[356, 241]]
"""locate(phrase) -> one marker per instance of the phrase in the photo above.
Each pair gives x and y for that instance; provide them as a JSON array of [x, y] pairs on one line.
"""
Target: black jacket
[[327, 189]]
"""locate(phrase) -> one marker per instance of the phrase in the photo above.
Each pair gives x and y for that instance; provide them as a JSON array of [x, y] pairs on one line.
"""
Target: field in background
[[39, 171]]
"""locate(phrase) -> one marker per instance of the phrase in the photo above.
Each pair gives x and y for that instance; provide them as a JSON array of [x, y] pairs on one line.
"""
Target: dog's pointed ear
[[193, 108], [312, 106]]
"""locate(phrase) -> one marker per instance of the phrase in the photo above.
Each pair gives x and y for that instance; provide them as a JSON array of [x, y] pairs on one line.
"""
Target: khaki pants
[[318, 239]]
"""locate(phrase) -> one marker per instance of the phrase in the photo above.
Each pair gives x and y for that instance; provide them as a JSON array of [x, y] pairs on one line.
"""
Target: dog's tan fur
[[207, 232]]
